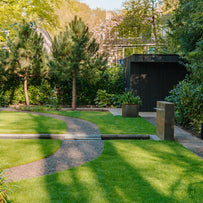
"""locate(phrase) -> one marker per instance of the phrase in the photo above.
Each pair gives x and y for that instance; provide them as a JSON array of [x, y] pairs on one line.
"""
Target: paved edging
[[32, 136], [51, 136], [124, 136], [79, 137]]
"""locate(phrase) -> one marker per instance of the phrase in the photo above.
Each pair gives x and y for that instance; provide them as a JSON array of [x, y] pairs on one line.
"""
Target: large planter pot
[[130, 110]]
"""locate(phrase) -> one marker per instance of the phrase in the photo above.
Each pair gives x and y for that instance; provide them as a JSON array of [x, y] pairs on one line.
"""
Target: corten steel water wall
[[165, 120]]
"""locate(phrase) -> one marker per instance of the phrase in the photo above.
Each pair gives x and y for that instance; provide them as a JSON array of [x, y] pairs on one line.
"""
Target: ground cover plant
[[109, 124], [127, 171], [17, 122], [17, 152]]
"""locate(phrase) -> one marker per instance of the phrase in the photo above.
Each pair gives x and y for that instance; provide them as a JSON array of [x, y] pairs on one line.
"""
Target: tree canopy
[[40, 11], [187, 34], [142, 21]]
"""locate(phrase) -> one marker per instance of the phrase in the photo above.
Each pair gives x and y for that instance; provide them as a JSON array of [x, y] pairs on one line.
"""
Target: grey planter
[[130, 110]]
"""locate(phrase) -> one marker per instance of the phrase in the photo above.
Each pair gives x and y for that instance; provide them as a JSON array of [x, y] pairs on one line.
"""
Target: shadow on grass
[[190, 166], [113, 178], [127, 171]]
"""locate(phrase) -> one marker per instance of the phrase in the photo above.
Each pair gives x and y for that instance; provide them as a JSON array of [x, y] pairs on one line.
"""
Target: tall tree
[[26, 55], [75, 52]]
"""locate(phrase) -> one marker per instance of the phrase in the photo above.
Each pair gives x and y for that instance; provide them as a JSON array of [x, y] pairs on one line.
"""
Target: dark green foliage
[[187, 22], [3, 78], [129, 98], [105, 99], [188, 100], [38, 94], [3, 101], [111, 81], [186, 36]]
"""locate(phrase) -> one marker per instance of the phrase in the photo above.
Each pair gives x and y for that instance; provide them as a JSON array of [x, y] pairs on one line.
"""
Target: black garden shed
[[152, 76]]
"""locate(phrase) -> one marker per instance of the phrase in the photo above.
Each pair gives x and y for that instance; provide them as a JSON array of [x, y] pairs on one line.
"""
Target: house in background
[[47, 39]]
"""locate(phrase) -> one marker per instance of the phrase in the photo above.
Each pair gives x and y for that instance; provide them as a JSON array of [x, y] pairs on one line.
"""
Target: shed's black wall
[[153, 77]]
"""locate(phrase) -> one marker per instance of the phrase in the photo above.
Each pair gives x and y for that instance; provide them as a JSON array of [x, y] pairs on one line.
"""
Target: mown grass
[[127, 171], [17, 152], [109, 124], [16, 123]]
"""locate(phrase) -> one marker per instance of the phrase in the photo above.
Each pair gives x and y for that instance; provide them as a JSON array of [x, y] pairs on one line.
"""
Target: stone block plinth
[[165, 120]]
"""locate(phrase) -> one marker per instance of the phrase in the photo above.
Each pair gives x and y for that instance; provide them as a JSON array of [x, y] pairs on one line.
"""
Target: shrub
[[104, 99], [3, 101], [129, 98], [188, 100], [38, 94], [111, 80]]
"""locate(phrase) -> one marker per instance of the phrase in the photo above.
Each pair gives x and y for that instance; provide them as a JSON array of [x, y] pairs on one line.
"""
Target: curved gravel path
[[71, 153]]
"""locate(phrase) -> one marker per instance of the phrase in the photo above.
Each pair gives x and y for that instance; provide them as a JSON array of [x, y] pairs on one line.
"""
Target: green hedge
[[86, 88], [38, 94], [40, 91]]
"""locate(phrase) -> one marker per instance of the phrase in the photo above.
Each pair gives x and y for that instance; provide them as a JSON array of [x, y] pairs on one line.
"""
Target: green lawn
[[15, 122], [109, 124], [17, 152], [127, 171]]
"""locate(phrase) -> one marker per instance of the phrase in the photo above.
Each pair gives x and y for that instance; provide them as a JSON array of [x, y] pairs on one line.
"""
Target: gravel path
[[71, 153]]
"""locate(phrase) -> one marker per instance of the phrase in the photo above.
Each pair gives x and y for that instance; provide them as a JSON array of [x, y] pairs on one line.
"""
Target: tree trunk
[[25, 90], [74, 93]]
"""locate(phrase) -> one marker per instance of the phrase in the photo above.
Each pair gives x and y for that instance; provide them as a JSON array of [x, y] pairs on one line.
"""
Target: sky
[[104, 4]]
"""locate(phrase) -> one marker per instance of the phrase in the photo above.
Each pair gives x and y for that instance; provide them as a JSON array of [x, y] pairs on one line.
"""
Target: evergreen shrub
[[188, 99], [105, 99]]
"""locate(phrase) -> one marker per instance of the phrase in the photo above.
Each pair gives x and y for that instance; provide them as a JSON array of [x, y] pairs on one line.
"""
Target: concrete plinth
[[165, 120]]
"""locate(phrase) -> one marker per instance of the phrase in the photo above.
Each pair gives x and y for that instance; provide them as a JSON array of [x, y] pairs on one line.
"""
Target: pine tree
[[26, 55], [75, 51]]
